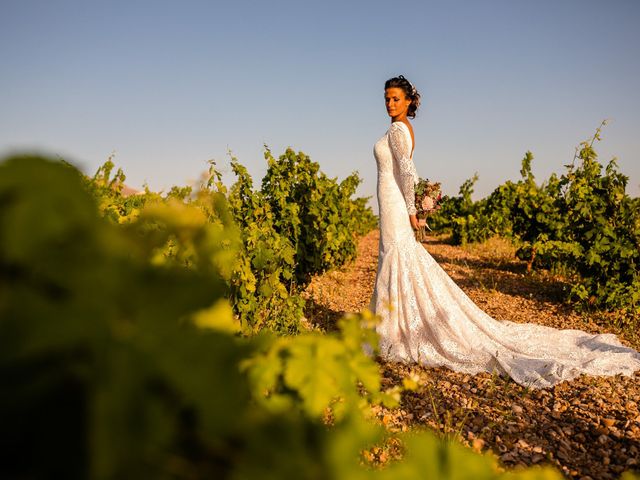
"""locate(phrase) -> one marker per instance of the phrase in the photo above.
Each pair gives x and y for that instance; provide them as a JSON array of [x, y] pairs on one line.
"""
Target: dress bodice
[[393, 154]]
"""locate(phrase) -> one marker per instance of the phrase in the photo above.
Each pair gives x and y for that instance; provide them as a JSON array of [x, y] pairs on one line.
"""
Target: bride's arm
[[400, 143]]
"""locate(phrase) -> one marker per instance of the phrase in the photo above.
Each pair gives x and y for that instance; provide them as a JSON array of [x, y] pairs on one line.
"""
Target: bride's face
[[396, 101]]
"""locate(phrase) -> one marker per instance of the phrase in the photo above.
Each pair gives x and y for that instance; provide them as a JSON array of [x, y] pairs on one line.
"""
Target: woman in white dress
[[426, 318]]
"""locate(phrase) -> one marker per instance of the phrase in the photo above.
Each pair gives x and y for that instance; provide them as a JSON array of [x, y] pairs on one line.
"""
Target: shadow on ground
[[321, 316]]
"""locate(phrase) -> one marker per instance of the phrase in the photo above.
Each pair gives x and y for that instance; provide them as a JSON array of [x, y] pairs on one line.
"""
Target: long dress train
[[427, 318]]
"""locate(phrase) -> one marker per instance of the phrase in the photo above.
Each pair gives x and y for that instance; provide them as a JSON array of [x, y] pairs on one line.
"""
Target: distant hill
[[128, 191]]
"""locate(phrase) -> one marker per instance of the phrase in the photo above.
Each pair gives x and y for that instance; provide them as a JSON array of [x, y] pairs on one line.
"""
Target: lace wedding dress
[[428, 319]]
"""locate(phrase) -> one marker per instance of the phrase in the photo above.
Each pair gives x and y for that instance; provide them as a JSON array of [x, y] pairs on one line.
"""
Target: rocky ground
[[587, 428]]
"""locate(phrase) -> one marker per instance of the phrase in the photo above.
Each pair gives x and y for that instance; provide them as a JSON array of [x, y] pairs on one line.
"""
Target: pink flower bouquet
[[428, 196]]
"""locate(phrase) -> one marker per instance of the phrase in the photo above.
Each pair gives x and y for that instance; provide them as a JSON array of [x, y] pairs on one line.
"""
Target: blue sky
[[167, 85]]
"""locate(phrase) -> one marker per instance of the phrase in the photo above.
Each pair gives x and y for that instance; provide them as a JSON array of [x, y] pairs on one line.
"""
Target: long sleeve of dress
[[400, 143]]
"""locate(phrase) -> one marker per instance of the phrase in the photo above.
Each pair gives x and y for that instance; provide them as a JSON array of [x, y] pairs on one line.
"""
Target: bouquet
[[428, 196]]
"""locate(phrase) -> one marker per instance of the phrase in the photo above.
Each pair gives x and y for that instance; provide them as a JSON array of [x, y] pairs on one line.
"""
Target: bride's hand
[[414, 222]]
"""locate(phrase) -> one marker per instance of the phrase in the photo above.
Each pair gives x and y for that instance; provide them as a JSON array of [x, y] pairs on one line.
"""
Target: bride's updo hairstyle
[[409, 90]]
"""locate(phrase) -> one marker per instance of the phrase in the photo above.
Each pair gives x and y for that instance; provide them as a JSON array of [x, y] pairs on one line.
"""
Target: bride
[[426, 318]]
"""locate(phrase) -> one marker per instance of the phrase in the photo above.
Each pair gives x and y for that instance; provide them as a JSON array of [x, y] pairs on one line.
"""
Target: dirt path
[[588, 428]]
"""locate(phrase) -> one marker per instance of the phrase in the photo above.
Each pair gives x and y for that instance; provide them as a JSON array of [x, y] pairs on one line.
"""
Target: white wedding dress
[[428, 319]]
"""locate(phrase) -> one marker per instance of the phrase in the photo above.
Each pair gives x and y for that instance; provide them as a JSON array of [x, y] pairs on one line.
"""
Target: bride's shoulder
[[399, 128], [399, 125]]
